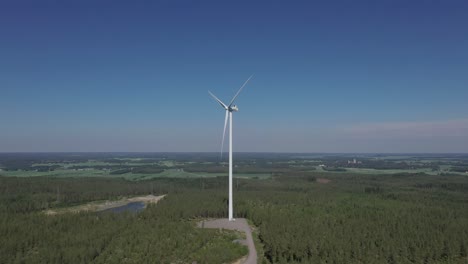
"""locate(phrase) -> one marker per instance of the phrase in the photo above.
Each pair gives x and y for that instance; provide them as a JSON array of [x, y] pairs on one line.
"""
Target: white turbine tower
[[229, 109]]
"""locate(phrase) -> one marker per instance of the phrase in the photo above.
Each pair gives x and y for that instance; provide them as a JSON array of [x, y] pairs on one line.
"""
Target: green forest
[[300, 217]]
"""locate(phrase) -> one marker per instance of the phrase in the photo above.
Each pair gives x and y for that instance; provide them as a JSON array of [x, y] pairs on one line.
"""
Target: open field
[[56, 173], [247, 166], [169, 173], [395, 171], [263, 167], [177, 173]]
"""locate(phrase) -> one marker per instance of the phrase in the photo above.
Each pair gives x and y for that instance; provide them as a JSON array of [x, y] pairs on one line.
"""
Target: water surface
[[133, 207]]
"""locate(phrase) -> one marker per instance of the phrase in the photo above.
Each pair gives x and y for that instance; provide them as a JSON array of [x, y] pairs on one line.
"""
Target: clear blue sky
[[330, 76]]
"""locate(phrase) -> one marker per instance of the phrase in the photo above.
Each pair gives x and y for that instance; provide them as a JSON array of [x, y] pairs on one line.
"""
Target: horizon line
[[259, 152]]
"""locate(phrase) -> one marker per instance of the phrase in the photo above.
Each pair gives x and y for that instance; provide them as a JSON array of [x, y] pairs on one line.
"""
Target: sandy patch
[[323, 180]]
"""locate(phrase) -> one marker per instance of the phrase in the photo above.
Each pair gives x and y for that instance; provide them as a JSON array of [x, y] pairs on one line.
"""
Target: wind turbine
[[229, 109]]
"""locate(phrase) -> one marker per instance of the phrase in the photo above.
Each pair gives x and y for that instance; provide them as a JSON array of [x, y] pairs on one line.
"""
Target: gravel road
[[240, 224]]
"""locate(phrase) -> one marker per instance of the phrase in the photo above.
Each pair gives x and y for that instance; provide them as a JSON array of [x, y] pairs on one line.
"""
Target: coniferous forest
[[301, 217]]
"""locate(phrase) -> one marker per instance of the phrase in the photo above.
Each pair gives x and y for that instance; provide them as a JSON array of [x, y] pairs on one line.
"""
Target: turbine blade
[[224, 133], [240, 89], [219, 101]]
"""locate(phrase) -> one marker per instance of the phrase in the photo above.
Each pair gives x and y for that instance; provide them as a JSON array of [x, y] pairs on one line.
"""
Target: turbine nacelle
[[233, 108]]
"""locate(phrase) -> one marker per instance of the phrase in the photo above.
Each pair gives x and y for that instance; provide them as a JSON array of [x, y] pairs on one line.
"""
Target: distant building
[[354, 161]]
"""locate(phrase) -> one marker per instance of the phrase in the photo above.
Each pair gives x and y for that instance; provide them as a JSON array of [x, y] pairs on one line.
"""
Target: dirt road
[[240, 224]]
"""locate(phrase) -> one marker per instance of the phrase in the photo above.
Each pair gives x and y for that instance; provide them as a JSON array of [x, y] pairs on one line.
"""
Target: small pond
[[133, 207]]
